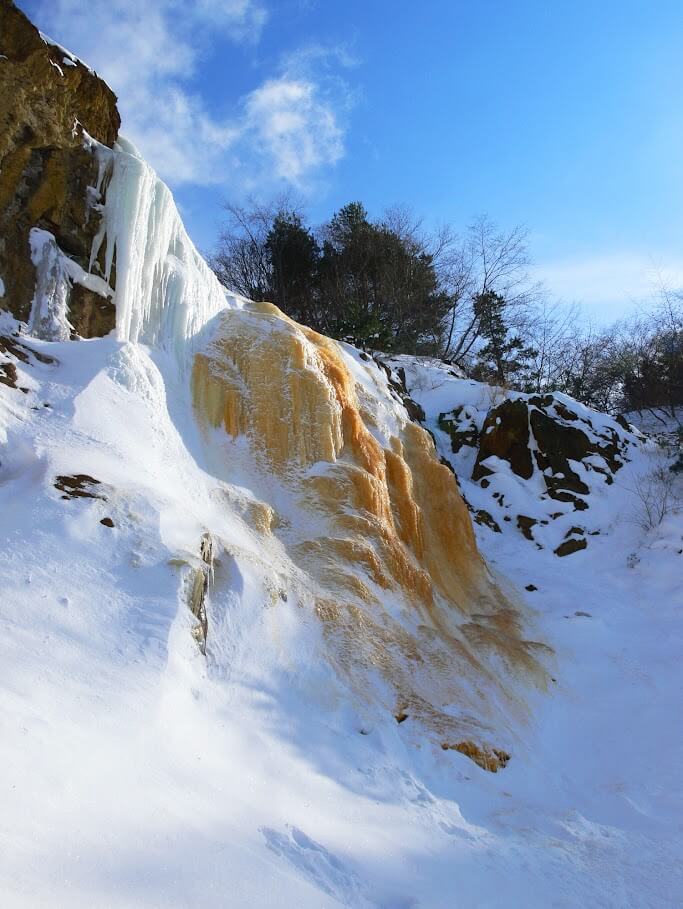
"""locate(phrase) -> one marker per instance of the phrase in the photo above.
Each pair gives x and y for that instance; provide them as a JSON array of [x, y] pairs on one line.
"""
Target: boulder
[[570, 546], [505, 435], [485, 518]]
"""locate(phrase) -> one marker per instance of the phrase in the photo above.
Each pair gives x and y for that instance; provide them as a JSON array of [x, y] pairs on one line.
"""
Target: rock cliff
[[51, 107]]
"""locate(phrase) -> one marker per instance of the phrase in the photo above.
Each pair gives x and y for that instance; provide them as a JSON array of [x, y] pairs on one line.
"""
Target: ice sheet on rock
[[49, 317], [55, 275], [165, 291]]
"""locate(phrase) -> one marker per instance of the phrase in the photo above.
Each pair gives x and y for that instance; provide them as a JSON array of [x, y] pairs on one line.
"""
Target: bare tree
[[241, 259], [556, 336], [669, 337], [656, 497], [487, 260]]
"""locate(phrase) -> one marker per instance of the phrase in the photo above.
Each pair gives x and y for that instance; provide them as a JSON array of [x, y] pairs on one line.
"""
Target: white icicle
[[165, 292]]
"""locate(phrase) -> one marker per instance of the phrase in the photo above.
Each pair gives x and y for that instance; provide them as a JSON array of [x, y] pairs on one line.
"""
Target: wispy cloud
[[288, 128], [619, 279], [296, 119], [241, 19]]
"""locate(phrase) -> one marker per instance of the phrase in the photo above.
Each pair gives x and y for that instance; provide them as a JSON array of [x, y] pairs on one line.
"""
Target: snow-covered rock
[[537, 464]]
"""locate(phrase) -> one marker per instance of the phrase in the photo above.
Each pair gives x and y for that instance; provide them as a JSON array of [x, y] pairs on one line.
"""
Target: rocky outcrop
[[51, 104], [541, 434], [14, 352], [461, 426], [198, 589], [505, 435], [574, 541], [491, 759], [537, 459], [78, 486]]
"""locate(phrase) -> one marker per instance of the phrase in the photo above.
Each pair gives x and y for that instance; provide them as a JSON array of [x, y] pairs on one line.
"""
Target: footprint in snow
[[319, 866]]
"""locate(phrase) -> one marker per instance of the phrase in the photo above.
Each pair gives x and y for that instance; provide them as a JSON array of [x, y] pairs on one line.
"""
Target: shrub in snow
[[657, 496]]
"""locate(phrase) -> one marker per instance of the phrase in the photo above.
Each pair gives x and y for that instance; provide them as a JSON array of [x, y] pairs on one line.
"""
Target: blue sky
[[563, 116]]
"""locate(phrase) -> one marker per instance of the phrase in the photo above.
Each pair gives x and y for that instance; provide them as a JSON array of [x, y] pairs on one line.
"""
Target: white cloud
[[242, 19], [287, 128], [614, 280], [293, 127], [313, 56]]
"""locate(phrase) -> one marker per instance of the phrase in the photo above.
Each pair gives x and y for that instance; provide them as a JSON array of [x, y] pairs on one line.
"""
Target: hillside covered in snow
[[287, 624]]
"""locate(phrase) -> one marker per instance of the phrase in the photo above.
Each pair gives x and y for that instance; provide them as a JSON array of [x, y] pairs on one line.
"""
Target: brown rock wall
[[49, 101]]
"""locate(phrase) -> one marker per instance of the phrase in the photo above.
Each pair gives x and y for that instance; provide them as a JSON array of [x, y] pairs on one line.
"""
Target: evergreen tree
[[504, 358], [379, 288], [293, 255]]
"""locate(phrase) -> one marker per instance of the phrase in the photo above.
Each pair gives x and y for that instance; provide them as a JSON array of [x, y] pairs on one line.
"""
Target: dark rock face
[[570, 546], [91, 315], [460, 427], [487, 520], [542, 432], [557, 445], [48, 102], [78, 486], [13, 351], [505, 434], [526, 524]]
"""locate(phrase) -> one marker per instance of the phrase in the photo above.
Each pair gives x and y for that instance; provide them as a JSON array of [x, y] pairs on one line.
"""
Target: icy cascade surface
[[165, 292], [380, 537], [50, 307]]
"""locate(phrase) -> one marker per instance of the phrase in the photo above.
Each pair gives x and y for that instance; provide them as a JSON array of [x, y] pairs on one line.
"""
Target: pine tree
[[293, 255], [504, 358], [379, 288]]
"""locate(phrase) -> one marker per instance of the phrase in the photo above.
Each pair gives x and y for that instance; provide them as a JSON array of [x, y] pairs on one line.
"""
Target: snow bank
[[258, 769], [251, 772]]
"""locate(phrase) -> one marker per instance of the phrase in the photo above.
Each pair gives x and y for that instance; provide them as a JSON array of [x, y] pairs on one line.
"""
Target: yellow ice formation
[[395, 520], [289, 390]]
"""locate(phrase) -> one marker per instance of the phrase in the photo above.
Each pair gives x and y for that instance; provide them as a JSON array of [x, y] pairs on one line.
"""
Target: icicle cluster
[[165, 292]]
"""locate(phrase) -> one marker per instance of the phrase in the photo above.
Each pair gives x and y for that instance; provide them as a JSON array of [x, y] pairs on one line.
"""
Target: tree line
[[390, 285]]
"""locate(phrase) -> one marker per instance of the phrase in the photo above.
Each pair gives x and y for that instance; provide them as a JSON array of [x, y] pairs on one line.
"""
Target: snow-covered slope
[[361, 659]]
